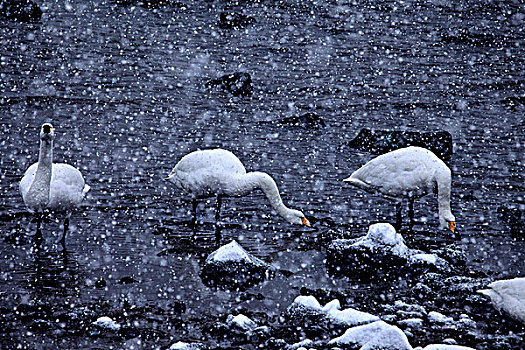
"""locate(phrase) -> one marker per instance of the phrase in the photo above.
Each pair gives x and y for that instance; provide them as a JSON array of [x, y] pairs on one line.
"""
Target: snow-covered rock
[[232, 266], [241, 322], [107, 323], [332, 310], [382, 251], [509, 296], [414, 323], [186, 346], [374, 336], [436, 317]]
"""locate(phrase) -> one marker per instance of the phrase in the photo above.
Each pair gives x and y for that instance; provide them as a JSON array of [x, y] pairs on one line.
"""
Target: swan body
[[48, 186], [509, 296], [220, 173], [410, 172]]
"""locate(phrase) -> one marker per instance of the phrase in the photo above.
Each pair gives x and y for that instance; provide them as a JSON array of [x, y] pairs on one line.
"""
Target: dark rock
[[100, 283], [238, 84], [231, 266], [126, 280], [234, 20], [20, 10], [307, 120], [383, 141], [514, 218], [470, 37]]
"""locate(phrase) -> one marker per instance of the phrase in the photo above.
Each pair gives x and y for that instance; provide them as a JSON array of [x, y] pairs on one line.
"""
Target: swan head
[[447, 220], [296, 217], [47, 133]]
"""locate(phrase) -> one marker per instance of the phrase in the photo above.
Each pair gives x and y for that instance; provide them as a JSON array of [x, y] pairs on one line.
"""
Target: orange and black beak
[[306, 222], [452, 226]]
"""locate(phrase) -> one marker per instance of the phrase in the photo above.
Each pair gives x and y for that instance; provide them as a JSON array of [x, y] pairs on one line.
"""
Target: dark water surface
[[124, 88]]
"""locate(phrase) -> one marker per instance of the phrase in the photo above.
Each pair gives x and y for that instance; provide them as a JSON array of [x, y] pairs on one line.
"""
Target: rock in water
[[384, 141], [509, 296], [307, 120], [234, 20], [238, 84], [381, 252], [374, 336], [232, 266], [332, 311], [20, 10]]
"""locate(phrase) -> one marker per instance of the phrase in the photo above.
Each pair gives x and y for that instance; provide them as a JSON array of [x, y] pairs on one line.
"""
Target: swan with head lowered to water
[[409, 173], [48, 186], [217, 172]]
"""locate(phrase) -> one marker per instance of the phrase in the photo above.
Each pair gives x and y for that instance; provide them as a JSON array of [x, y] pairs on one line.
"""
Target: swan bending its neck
[[264, 182]]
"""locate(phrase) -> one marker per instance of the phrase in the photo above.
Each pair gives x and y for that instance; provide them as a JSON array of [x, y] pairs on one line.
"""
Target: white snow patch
[[444, 347], [376, 335], [107, 323], [436, 317], [185, 346], [414, 323], [428, 258]]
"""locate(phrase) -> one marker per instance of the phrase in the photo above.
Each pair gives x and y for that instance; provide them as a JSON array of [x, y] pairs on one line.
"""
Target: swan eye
[[452, 226], [46, 128]]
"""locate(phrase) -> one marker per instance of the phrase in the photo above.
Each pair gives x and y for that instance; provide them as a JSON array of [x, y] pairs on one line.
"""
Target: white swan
[[54, 187], [410, 173], [508, 295], [220, 173]]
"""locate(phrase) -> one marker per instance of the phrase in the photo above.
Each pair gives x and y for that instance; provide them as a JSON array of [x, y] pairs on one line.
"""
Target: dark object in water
[[307, 120], [384, 141], [234, 20], [238, 84], [20, 10], [151, 4], [514, 218]]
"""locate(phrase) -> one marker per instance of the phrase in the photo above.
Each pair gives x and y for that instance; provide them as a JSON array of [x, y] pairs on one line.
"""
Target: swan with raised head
[[509, 296], [48, 186], [408, 173], [217, 172]]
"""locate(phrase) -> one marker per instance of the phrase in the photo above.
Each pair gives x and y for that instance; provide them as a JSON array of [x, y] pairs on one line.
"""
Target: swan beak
[[452, 226], [306, 222]]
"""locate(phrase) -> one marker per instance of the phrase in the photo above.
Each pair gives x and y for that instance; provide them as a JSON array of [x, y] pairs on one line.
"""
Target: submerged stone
[[234, 20], [238, 84], [307, 120], [384, 141], [20, 10]]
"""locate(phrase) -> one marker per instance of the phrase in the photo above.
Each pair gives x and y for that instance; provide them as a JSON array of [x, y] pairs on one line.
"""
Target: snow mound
[[374, 336], [241, 322], [107, 323], [232, 252]]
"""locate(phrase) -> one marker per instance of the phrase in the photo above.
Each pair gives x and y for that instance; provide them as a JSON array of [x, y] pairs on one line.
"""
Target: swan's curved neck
[[443, 194], [42, 181], [264, 182]]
